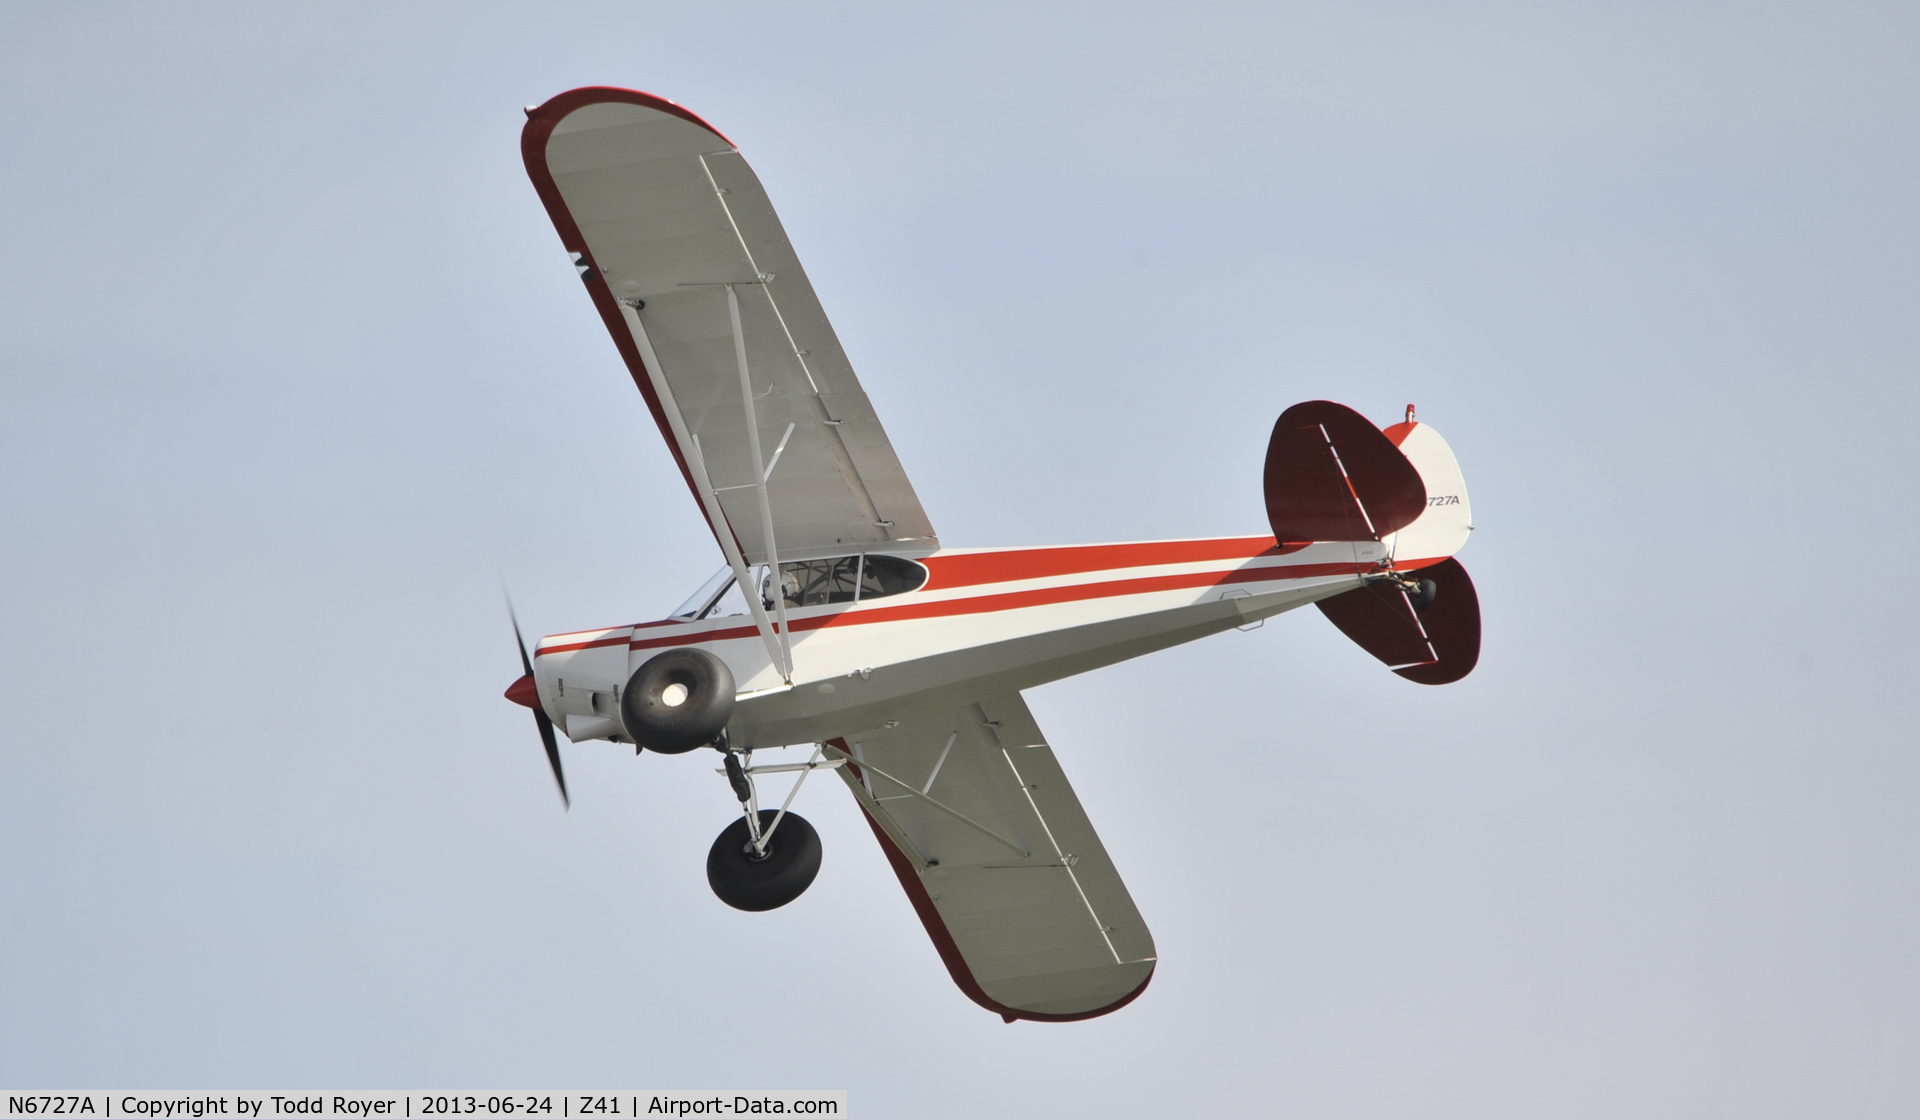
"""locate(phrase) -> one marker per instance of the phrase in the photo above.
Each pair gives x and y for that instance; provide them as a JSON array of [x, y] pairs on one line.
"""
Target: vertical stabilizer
[[1442, 527]]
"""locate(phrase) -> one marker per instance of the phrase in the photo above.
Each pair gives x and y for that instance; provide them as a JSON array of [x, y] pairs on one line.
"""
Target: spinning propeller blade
[[524, 691]]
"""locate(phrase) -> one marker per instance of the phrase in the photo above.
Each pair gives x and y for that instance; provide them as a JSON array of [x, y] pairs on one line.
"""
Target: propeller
[[524, 691]]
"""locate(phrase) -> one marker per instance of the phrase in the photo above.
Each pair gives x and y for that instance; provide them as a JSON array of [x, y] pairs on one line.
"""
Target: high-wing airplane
[[841, 623]]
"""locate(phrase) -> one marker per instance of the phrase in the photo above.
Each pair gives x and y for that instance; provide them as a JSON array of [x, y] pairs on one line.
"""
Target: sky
[[296, 373]]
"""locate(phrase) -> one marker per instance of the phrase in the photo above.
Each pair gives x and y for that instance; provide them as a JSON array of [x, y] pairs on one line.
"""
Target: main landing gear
[[681, 700], [677, 701], [765, 859]]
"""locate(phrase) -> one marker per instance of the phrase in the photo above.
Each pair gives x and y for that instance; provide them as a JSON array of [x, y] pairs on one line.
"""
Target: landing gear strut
[[765, 859]]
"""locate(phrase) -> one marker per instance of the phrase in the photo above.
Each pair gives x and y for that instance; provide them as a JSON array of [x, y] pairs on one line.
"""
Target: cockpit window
[[814, 583], [889, 575], [730, 602], [843, 579], [698, 602], [808, 583]]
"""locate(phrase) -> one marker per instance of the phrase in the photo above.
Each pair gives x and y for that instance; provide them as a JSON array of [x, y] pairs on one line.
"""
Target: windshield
[[698, 602]]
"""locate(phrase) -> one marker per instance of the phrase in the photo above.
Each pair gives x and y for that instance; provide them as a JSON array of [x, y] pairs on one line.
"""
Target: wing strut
[[784, 659], [697, 465], [949, 810]]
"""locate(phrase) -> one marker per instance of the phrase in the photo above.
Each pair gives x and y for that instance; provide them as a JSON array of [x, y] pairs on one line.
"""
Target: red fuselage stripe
[[1005, 601], [571, 646], [968, 569]]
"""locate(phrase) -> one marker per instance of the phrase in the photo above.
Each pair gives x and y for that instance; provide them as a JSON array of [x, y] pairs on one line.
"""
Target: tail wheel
[[679, 700], [771, 881]]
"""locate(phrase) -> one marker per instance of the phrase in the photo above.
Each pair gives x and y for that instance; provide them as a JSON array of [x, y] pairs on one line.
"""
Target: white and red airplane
[[841, 623]]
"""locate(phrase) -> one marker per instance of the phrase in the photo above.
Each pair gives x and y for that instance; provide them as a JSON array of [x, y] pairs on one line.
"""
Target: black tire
[[662, 718], [1423, 598], [792, 860]]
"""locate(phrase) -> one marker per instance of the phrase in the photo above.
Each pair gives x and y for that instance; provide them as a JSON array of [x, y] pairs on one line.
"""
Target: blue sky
[[295, 369]]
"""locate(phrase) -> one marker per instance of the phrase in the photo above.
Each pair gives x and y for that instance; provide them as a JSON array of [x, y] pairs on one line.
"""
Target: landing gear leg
[[746, 868]]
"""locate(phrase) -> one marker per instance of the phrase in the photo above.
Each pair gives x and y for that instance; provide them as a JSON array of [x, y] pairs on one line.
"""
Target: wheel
[[1423, 598], [677, 701], [784, 874]]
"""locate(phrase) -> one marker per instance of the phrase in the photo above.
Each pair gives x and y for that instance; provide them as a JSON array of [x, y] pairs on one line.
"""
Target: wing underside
[[678, 243], [1001, 863]]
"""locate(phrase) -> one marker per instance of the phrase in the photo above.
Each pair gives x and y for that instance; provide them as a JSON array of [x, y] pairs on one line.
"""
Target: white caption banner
[[98, 1104]]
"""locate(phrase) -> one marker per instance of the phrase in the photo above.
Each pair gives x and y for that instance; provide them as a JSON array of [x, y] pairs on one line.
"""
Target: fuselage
[[984, 621]]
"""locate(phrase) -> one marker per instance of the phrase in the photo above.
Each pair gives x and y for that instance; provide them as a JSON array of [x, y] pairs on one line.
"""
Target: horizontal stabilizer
[[1332, 476], [1438, 644]]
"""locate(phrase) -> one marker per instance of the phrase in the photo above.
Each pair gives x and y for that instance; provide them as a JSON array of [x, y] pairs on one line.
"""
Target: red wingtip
[[524, 692]]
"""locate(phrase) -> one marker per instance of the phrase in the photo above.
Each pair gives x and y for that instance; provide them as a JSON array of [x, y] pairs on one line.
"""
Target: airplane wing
[[691, 271], [1000, 861]]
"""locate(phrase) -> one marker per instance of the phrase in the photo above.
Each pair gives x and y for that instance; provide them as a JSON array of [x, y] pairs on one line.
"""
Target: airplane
[[840, 623]]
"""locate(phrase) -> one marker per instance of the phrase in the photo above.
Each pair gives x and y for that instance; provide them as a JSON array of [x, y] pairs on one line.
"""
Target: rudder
[[1442, 526]]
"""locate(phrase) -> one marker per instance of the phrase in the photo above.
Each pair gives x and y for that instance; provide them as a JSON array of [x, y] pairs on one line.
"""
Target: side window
[[819, 583], [889, 575], [815, 583], [828, 581]]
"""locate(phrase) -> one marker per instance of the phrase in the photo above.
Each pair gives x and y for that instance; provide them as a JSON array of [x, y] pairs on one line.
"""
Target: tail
[[1332, 476], [1442, 527]]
